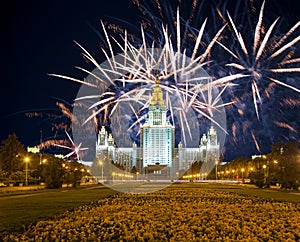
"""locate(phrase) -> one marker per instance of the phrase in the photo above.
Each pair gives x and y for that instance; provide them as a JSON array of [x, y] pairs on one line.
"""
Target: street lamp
[[227, 174], [216, 163], [26, 160], [242, 174], [265, 173], [101, 164]]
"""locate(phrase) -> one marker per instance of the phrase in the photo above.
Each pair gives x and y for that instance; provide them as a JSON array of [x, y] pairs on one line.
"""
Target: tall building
[[157, 154], [157, 139]]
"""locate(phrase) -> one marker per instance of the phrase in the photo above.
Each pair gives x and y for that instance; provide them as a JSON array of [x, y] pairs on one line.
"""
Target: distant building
[[157, 155], [34, 149], [59, 156]]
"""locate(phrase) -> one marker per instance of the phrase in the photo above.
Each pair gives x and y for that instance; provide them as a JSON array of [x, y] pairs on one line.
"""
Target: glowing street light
[[265, 173], [227, 174], [216, 163], [101, 164], [26, 160], [232, 173], [242, 173]]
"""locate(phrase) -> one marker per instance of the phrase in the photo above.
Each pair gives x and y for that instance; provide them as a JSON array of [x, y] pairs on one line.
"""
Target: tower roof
[[157, 95]]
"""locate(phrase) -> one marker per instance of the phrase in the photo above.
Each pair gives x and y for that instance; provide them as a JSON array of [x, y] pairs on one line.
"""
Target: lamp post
[[243, 169], [113, 176], [216, 163], [265, 175], [26, 170], [227, 174], [101, 164], [242, 172]]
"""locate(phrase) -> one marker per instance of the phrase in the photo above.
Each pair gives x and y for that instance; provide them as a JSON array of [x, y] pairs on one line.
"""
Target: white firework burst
[[264, 56], [186, 85], [75, 149]]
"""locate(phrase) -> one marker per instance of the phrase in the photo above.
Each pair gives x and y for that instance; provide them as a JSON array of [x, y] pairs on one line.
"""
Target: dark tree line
[[45, 168], [280, 167]]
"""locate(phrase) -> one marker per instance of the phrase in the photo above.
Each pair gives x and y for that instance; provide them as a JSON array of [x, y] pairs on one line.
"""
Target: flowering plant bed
[[177, 213]]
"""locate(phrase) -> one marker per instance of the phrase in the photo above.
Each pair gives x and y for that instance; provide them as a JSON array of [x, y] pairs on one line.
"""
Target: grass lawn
[[19, 210]]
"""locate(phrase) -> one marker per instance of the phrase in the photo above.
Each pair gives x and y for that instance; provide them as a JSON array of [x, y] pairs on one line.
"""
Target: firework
[[75, 149], [267, 56], [244, 69], [125, 81]]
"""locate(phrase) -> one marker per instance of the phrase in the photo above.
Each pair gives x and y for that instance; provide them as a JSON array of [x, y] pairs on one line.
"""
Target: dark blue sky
[[37, 38]]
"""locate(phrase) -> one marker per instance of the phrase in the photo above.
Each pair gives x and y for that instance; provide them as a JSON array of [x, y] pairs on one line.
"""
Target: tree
[[11, 154], [287, 157], [52, 172], [73, 173], [258, 176], [288, 174], [133, 170]]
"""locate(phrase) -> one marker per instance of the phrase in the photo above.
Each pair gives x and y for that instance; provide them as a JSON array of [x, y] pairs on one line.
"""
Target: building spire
[[157, 81], [157, 94]]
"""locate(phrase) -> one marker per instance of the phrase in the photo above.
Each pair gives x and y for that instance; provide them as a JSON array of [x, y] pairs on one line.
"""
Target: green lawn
[[21, 209]]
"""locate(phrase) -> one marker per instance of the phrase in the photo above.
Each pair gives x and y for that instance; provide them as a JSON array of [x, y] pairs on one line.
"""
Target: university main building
[[157, 155]]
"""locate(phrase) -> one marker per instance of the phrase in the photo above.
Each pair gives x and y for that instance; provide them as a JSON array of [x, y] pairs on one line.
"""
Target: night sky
[[37, 38]]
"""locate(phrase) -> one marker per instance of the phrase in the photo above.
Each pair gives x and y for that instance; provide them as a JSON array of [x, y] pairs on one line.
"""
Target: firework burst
[[127, 79], [269, 58], [75, 149], [244, 69], [268, 55]]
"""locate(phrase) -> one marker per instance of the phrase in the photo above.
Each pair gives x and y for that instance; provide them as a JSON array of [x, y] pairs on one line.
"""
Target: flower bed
[[173, 214]]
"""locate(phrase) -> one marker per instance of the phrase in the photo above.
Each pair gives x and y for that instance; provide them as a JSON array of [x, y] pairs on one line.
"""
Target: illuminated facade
[[157, 153], [157, 139]]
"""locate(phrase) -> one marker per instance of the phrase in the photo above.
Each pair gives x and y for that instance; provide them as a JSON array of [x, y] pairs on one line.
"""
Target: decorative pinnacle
[[157, 94], [157, 81]]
